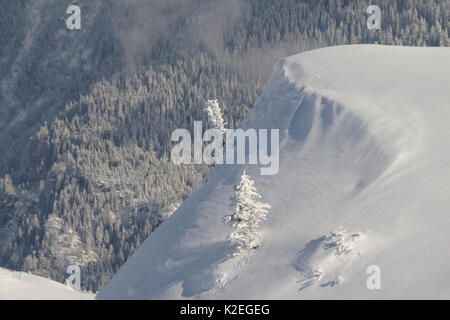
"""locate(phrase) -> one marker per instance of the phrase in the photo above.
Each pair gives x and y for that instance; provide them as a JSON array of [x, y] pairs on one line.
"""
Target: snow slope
[[15, 285], [364, 144]]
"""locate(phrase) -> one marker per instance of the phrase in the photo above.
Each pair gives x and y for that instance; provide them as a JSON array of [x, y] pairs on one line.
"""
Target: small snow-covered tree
[[248, 213], [215, 116]]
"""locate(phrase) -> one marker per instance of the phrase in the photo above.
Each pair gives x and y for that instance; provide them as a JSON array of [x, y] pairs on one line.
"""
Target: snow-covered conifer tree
[[248, 213], [215, 117]]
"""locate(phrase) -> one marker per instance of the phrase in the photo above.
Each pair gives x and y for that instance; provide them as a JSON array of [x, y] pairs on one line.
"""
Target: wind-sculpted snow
[[363, 182], [320, 125]]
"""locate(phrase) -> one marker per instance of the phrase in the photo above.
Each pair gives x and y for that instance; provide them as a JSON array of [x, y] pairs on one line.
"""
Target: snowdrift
[[16, 285], [364, 181]]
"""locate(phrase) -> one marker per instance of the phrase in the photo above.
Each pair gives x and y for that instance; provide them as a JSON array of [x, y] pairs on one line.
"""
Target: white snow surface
[[16, 285], [364, 144]]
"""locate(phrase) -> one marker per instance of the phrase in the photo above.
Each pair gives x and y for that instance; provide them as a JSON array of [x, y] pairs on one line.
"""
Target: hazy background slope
[[362, 146], [86, 116]]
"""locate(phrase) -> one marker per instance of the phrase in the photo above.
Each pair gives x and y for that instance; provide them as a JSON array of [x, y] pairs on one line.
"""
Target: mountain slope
[[363, 133], [24, 286], [86, 115]]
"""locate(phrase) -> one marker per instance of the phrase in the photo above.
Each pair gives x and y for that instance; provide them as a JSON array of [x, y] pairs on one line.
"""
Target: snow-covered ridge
[[23, 286], [367, 98], [363, 181]]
